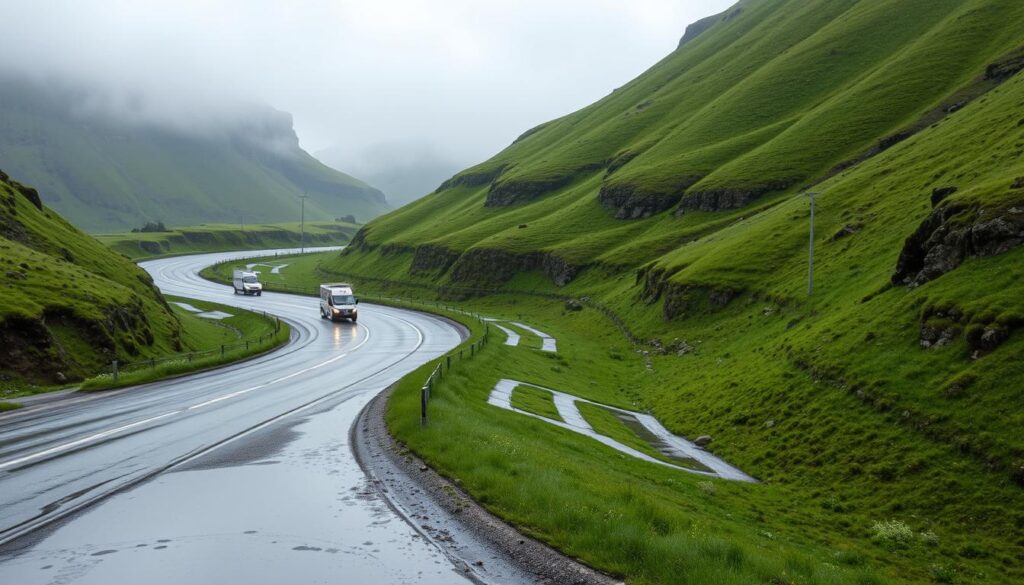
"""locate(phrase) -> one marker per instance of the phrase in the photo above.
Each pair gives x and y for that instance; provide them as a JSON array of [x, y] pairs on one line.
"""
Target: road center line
[[84, 440], [107, 433]]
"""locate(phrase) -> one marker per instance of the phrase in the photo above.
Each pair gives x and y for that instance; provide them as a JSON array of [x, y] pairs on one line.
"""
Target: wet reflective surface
[[239, 475]]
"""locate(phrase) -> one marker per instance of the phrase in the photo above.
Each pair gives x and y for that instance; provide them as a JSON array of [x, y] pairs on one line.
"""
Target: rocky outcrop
[[954, 232], [630, 202], [432, 260], [1006, 67], [939, 194], [27, 192], [680, 299], [944, 326], [518, 191], [729, 198], [30, 349], [491, 267], [695, 29]]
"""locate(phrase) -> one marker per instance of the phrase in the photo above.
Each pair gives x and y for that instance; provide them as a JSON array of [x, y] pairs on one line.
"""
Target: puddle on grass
[[656, 442]]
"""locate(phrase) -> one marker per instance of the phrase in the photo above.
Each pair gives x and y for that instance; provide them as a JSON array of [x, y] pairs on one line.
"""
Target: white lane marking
[[547, 342], [107, 433], [283, 378], [512, 338], [84, 440]]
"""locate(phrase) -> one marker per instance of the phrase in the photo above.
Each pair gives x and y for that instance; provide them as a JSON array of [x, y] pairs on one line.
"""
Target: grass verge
[[243, 335], [535, 400]]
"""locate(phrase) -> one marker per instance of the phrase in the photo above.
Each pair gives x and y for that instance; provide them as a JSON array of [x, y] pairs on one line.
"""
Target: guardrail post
[[423, 406], [222, 350], [152, 363], [246, 345], [449, 363], [113, 365]]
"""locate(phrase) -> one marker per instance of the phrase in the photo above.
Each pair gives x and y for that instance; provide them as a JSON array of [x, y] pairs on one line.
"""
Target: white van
[[247, 283], [338, 302]]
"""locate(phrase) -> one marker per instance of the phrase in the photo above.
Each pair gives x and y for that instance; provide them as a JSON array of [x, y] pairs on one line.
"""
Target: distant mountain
[[404, 172], [106, 169]]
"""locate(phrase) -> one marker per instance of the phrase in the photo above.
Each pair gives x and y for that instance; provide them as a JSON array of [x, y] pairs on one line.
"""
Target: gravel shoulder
[[484, 547]]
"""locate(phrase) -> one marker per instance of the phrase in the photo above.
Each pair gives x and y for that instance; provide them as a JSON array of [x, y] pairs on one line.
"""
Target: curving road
[[243, 474]]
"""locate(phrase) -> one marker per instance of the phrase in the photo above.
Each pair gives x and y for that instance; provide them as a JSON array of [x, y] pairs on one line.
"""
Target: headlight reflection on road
[[344, 333]]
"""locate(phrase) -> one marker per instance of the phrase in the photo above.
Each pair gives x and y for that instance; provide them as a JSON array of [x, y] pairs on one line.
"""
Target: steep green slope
[[892, 392], [106, 174], [68, 305], [773, 96]]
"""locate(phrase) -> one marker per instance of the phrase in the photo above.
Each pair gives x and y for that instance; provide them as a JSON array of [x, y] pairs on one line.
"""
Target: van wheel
[[259, 294], [235, 289]]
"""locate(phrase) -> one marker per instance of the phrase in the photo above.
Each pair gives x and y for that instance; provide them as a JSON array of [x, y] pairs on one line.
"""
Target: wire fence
[[444, 367], [118, 368]]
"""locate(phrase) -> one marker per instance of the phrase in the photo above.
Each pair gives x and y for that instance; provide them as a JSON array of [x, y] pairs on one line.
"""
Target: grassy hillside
[[70, 305], [888, 395], [223, 237], [105, 174]]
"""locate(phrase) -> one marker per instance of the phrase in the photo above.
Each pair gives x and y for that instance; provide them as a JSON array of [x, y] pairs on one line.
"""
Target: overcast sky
[[462, 78]]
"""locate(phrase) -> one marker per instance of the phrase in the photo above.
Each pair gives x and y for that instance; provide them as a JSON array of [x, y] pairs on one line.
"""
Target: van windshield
[[249, 279], [343, 300]]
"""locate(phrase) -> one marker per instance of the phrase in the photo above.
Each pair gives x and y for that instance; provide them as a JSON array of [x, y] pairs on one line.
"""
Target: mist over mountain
[[113, 159], [403, 171]]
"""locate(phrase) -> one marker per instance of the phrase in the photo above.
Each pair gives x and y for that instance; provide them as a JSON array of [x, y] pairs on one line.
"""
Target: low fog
[[403, 82]]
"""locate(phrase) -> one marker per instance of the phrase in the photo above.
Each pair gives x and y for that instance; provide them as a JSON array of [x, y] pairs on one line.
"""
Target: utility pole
[[810, 253], [241, 220], [302, 236]]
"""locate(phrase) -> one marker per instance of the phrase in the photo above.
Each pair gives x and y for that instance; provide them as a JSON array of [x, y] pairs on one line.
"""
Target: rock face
[[939, 194], [681, 299], [729, 198], [515, 192], [951, 234], [429, 259], [629, 202], [695, 29], [490, 267]]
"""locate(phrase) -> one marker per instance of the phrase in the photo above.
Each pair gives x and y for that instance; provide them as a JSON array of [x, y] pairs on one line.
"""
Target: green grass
[[632, 518], [226, 237], [535, 400], [205, 337], [605, 422], [69, 304], [5, 406], [830, 400]]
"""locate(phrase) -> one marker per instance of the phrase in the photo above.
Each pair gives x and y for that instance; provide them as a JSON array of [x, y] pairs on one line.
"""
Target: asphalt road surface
[[239, 475]]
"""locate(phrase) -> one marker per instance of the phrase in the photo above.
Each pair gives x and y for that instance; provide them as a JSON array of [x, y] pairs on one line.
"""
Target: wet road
[[243, 474]]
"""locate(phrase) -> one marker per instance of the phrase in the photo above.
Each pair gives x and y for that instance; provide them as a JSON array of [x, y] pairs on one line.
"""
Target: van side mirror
[[357, 301]]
